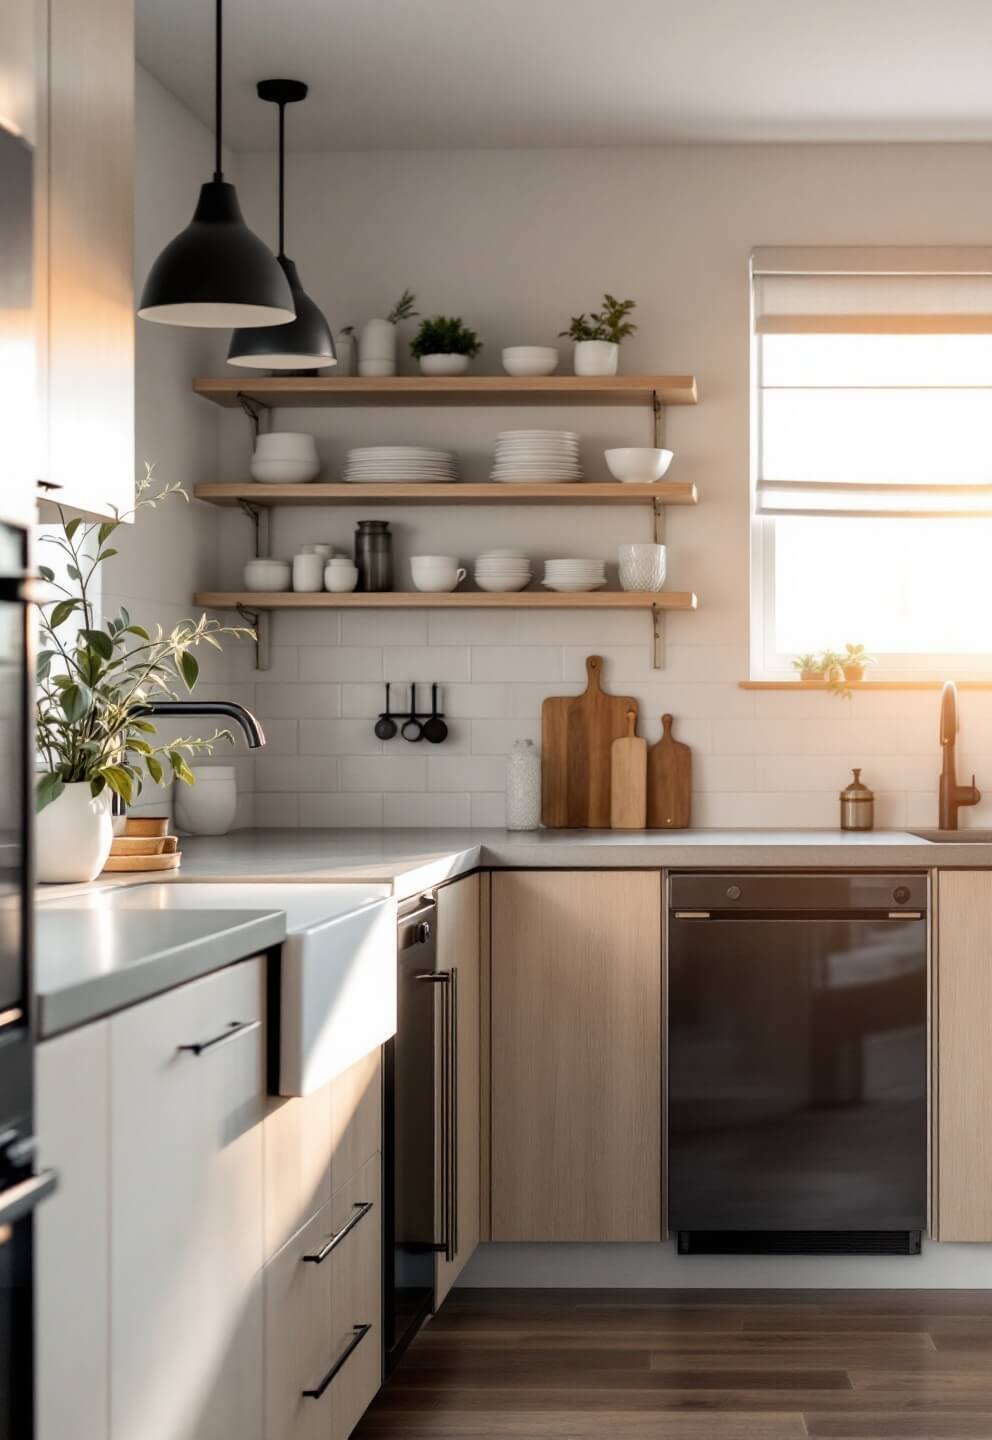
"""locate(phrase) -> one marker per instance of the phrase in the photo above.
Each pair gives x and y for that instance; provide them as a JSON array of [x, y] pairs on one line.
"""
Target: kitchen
[[790, 1229]]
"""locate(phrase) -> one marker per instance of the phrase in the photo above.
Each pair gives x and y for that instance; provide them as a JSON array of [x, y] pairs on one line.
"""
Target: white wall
[[170, 552], [516, 242]]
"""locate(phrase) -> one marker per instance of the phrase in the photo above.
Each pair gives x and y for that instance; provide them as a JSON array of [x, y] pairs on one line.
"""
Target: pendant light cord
[[282, 178], [218, 94]]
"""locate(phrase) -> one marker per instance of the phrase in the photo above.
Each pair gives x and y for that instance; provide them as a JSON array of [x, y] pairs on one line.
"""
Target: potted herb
[[377, 342], [92, 676], [444, 346], [809, 669], [597, 336], [855, 661]]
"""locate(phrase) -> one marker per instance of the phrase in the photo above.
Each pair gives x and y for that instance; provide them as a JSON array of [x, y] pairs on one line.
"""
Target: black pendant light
[[216, 273], [306, 343]]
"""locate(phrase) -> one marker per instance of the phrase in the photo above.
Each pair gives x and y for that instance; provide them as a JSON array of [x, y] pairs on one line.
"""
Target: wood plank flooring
[[695, 1365]]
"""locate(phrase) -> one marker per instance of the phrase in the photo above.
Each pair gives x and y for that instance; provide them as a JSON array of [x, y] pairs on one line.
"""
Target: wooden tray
[[117, 863], [146, 825], [142, 845]]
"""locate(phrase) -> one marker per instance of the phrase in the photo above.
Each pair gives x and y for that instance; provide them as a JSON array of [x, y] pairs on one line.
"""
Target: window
[[872, 459]]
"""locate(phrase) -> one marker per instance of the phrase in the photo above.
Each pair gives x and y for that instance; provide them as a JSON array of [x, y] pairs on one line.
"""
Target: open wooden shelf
[[453, 600], [800, 688], [491, 493], [451, 390]]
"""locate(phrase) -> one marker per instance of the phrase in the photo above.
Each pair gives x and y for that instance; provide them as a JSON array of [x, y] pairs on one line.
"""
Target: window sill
[[800, 685]]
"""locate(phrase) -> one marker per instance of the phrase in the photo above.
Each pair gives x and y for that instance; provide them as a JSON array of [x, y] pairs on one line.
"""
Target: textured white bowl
[[284, 472], [642, 567], [285, 445], [268, 575], [638, 465], [530, 360], [443, 364]]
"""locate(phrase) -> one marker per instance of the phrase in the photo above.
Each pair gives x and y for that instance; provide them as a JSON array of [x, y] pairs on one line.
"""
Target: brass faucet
[[952, 795]]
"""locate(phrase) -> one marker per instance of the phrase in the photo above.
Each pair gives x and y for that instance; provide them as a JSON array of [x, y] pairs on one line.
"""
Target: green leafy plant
[[403, 309], [856, 658], [444, 335], [806, 664], [612, 323], [92, 683]]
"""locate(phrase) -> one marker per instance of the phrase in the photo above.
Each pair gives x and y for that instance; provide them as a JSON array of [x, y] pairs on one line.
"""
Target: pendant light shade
[[306, 343], [216, 273]]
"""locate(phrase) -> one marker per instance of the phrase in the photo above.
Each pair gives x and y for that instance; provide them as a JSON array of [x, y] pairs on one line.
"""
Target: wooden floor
[[704, 1365]]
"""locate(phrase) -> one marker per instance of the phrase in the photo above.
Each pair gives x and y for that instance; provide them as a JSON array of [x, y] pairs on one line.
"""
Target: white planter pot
[[73, 836], [596, 357], [523, 786], [209, 806], [443, 364], [377, 348]]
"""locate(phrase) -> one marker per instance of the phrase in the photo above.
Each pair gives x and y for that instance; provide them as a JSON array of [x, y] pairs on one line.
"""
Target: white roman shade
[[874, 381]]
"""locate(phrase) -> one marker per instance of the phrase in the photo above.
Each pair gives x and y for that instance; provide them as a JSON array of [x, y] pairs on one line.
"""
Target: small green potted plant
[[377, 342], [444, 345], [598, 336], [855, 662], [809, 669], [93, 675]]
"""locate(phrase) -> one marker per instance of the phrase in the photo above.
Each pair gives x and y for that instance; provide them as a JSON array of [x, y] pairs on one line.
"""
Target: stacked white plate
[[503, 570], [574, 574], [536, 457], [399, 464]]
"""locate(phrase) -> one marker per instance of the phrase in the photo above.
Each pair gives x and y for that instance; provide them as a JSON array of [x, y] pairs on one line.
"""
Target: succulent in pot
[[809, 669], [444, 345], [377, 342], [598, 336], [855, 661], [93, 677]]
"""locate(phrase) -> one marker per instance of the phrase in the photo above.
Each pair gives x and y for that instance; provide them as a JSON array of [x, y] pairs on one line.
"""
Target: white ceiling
[[481, 73]]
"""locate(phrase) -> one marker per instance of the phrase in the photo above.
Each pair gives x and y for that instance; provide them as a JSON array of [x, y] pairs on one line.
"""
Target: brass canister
[[857, 806]]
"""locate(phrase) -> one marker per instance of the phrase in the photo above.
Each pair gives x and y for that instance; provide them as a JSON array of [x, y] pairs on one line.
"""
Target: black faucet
[[952, 796], [252, 731]]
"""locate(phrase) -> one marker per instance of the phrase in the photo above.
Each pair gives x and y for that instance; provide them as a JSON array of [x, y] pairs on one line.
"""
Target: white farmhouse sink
[[336, 994]]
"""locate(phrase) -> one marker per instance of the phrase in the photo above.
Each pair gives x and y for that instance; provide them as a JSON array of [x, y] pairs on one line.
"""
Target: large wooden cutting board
[[669, 781], [577, 735]]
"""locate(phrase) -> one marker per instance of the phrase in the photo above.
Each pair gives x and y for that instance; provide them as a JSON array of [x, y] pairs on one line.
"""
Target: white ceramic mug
[[308, 571], [436, 572]]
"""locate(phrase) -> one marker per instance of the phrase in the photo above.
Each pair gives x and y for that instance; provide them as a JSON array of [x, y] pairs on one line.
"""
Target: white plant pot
[[377, 348], [596, 357], [209, 806], [73, 836], [443, 364]]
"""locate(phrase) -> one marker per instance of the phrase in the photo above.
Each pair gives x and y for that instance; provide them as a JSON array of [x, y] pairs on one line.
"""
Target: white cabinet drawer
[[186, 1248]]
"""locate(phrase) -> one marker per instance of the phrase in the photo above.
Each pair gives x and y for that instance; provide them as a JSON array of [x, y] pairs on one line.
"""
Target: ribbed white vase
[[523, 786], [72, 836]]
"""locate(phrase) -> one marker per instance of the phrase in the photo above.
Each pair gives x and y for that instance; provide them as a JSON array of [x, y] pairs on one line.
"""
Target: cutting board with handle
[[629, 779], [669, 781], [577, 733]]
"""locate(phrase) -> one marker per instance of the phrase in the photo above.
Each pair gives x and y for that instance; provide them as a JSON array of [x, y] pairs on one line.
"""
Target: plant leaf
[[119, 780], [49, 788], [190, 668], [46, 572], [99, 641], [76, 700], [61, 612], [154, 768], [71, 526]]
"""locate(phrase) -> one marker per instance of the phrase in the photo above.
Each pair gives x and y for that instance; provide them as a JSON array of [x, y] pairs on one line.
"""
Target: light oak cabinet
[[72, 1236], [576, 1056], [356, 1299], [459, 952], [962, 1072], [84, 252], [186, 1246]]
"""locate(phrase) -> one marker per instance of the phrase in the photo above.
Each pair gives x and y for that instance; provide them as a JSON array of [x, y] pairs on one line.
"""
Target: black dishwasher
[[797, 1063]]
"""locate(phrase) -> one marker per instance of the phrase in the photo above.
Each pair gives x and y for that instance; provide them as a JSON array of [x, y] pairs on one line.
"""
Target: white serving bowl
[[285, 445], [497, 585], [638, 465], [530, 360], [268, 575], [284, 472]]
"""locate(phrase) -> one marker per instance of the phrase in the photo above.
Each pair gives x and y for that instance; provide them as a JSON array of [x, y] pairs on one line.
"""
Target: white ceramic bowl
[[340, 579], [284, 472], [268, 575], [642, 567], [638, 465], [443, 364], [502, 586], [285, 445], [530, 360]]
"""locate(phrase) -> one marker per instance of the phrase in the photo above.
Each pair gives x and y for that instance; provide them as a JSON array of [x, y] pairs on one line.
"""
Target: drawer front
[[297, 1144], [356, 1117], [298, 1336], [356, 1308]]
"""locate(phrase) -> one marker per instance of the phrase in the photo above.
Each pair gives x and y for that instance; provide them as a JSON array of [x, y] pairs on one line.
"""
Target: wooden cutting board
[[577, 733], [629, 779], [669, 781]]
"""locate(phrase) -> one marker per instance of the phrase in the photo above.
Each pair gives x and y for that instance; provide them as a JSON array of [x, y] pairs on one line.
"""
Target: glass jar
[[374, 555]]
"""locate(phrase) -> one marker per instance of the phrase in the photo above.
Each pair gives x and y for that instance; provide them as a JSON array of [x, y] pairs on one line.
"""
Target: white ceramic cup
[[308, 571], [436, 572], [340, 578], [642, 567]]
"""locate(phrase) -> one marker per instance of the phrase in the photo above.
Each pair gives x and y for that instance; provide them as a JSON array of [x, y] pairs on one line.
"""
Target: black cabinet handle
[[358, 1334], [20, 1200], [361, 1209], [236, 1028]]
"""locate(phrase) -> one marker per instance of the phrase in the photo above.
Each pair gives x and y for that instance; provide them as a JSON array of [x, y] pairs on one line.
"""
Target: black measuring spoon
[[385, 726], [435, 730]]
